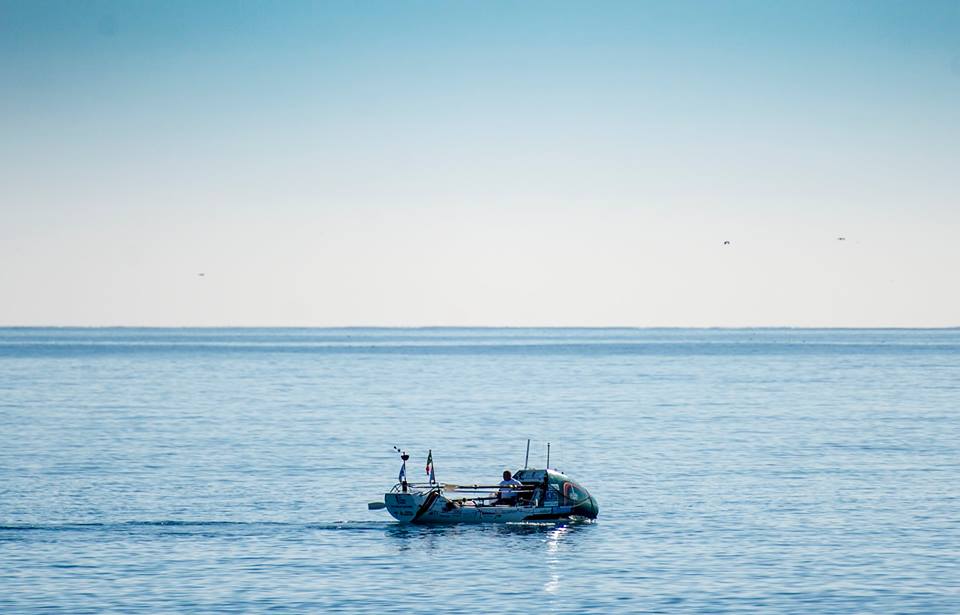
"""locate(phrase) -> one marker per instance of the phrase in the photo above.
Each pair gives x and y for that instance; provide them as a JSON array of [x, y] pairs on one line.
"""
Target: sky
[[480, 163]]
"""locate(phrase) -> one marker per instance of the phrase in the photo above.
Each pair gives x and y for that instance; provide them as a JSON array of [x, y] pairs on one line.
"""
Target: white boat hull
[[432, 508]]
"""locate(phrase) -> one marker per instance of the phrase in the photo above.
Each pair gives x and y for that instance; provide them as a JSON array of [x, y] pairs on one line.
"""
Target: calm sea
[[192, 470]]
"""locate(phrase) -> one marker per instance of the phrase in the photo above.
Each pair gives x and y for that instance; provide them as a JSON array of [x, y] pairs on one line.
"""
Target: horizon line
[[516, 327]]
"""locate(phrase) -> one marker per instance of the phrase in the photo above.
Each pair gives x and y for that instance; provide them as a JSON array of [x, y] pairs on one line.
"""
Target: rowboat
[[543, 494]]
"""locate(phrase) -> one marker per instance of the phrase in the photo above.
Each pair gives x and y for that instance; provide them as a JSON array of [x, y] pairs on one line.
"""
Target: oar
[[376, 506], [449, 487]]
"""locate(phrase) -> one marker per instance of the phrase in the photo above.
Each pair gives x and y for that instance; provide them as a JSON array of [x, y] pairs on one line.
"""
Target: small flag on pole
[[430, 473], [403, 473]]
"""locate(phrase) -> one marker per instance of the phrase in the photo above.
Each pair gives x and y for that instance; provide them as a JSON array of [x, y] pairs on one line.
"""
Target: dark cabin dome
[[562, 491]]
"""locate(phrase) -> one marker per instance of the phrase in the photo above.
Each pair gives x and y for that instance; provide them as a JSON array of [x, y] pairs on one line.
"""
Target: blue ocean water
[[775, 471]]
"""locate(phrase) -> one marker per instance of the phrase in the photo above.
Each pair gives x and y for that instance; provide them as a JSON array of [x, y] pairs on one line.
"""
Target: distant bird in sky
[[841, 238], [726, 243], [201, 274]]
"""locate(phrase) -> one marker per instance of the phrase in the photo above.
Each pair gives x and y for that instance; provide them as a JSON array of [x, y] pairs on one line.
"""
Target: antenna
[[403, 468], [527, 458], [548, 456]]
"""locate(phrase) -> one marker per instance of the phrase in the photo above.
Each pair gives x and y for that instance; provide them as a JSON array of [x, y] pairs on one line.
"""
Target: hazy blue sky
[[488, 163]]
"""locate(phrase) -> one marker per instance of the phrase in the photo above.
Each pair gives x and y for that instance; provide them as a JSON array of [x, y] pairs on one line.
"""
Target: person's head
[[506, 475]]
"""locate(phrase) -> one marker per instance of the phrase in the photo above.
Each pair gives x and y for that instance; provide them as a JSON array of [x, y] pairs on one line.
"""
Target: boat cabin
[[561, 490]]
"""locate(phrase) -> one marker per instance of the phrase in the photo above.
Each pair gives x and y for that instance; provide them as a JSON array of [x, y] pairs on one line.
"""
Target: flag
[[403, 473], [430, 473]]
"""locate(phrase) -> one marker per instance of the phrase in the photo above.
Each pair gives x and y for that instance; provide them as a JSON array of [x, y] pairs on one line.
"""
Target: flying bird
[[726, 243]]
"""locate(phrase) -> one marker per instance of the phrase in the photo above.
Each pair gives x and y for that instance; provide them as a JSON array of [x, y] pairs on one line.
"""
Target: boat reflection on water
[[554, 537], [528, 536]]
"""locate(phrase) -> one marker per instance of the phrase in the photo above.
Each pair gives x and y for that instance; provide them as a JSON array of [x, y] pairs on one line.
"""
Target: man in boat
[[507, 495]]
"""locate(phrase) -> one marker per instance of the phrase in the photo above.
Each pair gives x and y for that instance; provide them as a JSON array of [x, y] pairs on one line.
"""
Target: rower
[[507, 495]]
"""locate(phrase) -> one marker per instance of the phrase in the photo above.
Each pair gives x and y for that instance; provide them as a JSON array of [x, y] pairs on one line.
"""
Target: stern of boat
[[404, 507]]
